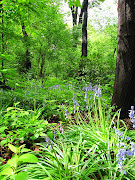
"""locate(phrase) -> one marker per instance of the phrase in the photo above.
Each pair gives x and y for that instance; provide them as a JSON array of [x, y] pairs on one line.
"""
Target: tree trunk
[[124, 87], [84, 29], [3, 43], [74, 11], [82, 19], [27, 63], [42, 66]]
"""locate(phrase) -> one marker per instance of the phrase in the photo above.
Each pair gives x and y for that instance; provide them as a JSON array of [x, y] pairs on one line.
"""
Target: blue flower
[[75, 103], [55, 133], [132, 115], [120, 134], [48, 141]]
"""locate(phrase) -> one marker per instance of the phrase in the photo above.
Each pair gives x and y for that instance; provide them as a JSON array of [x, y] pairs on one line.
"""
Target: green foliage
[[101, 60], [84, 150], [85, 147], [22, 126], [51, 44], [20, 156], [53, 103]]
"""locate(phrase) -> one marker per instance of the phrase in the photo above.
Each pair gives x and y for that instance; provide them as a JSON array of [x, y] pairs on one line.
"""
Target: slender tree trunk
[[84, 29], [74, 11], [3, 43], [41, 74], [41, 69], [124, 87], [27, 63]]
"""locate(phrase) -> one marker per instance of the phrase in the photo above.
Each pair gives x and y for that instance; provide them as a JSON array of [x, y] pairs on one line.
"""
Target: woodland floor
[[6, 154]]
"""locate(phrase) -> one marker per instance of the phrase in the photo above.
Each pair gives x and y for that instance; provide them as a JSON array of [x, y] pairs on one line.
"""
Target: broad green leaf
[[3, 142], [13, 161], [3, 178], [30, 158], [50, 135], [2, 129], [13, 148], [25, 150], [78, 4], [21, 176], [36, 135], [7, 171], [42, 134]]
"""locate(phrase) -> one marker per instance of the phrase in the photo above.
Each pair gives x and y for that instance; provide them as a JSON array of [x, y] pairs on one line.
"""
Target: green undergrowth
[[85, 148], [73, 128]]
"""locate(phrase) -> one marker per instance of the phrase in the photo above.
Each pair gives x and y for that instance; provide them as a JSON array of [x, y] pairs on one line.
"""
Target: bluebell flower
[[48, 141], [57, 86], [75, 103], [55, 133], [120, 134], [66, 113], [132, 115], [121, 155], [86, 89], [61, 129], [133, 148]]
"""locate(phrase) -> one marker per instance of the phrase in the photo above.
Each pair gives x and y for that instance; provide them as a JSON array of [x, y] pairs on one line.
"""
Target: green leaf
[[30, 158], [78, 4], [21, 175], [13, 161], [13, 148], [2, 129], [46, 123], [3, 142], [50, 135], [10, 108], [36, 135], [3, 178], [7, 171], [25, 150], [42, 134]]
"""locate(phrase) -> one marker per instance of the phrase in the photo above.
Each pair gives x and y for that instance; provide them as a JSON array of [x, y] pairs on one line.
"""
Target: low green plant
[[10, 169], [18, 125]]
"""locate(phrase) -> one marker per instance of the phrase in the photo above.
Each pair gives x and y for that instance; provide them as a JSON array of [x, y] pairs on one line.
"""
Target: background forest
[[55, 106]]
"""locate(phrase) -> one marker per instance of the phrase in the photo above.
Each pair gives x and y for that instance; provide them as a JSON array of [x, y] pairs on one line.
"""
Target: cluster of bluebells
[[66, 113], [70, 86], [54, 87], [49, 141], [132, 115], [123, 150], [75, 103], [87, 89], [95, 91]]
